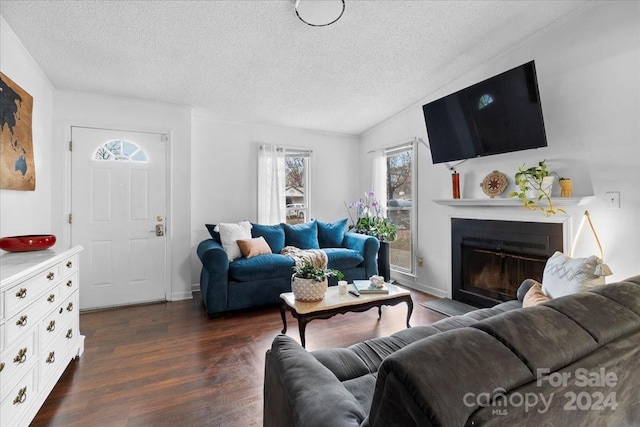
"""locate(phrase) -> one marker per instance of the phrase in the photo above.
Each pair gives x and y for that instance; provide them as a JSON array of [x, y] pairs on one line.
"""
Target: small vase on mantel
[[566, 187]]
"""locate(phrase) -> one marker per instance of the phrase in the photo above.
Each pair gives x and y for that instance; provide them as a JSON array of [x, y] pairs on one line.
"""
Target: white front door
[[118, 207]]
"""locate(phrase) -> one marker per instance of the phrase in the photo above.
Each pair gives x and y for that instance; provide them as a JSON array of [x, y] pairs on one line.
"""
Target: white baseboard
[[423, 288], [179, 296]]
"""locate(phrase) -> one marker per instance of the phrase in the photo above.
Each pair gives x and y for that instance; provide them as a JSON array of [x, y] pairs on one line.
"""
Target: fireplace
[[490, 259]]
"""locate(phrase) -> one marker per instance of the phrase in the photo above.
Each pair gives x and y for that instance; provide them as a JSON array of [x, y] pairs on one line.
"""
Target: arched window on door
[[120, 150]]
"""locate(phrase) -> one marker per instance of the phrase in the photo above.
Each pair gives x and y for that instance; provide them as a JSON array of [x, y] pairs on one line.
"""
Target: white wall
[[224, 163], [28, 212], [589, 77], [83, 109]]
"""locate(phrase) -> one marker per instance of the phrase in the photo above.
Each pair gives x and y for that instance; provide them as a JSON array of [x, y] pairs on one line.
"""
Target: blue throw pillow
[[214, 234], [273, 234], [303, 236], [331, 234]]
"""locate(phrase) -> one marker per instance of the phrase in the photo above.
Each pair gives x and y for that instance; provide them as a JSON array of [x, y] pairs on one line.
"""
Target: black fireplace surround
[[490, 258]]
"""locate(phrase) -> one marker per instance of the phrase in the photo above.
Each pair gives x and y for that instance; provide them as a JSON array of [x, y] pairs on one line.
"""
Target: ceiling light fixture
[[319, 13]]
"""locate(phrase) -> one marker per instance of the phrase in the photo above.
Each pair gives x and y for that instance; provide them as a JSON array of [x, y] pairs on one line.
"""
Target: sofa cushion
[[260, 267], [522, 331], [253, 247], [273, 234], [230, 233], [302, 236], [343, 259], [331, 234], [214, 234], [564, 275], [534, 296]]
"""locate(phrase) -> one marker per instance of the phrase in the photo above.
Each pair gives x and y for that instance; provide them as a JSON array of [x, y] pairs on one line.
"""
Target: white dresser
[[39, 328]]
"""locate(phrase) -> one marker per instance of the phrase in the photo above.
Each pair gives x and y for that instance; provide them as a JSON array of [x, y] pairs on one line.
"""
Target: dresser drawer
[[30, 316], [51, 326], [18, 399], [20, 296], [69, 265], [14, 361], [69, 285], [56, 354]]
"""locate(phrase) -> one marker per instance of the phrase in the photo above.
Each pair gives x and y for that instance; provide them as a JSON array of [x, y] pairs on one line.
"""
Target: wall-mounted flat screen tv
[[498, 115]]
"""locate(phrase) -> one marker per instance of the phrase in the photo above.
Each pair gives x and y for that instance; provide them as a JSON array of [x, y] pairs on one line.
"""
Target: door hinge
[[164, 138], [70, 145], [70, 218]]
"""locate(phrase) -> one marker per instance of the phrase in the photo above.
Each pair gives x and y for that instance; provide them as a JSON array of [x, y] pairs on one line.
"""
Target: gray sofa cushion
[[444, 359], [523, 332], [327, 403]]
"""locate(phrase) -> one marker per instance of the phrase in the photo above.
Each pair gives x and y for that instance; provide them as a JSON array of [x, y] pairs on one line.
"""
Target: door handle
[[159, 230]]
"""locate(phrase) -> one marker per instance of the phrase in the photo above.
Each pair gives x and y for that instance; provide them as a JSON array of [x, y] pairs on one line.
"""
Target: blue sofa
[[259, 280]]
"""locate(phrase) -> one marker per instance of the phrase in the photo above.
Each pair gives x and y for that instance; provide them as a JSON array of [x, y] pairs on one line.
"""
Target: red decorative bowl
[[33, 242]]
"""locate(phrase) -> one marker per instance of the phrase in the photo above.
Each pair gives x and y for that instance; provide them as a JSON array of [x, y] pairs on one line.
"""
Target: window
[[400, 203], [120, 150], [296, 166]]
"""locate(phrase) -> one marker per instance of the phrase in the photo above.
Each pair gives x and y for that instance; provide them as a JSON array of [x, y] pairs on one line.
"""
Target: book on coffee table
[[365, 287]]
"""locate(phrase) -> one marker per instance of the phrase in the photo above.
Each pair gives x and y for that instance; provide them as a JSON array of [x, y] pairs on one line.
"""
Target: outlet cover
[[612, 199]]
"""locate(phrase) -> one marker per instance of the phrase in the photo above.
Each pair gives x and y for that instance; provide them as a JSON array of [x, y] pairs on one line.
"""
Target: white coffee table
[[334, 303]]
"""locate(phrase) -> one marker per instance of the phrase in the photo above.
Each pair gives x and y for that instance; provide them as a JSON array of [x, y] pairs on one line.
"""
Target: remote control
[[354, 291]]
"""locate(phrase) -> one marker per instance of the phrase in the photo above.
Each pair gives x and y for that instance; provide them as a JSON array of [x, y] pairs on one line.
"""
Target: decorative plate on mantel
[[494, 184]]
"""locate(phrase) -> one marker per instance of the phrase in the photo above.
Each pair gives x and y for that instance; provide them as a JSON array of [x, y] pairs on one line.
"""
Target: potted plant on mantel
[[309, 283], [535, 185]]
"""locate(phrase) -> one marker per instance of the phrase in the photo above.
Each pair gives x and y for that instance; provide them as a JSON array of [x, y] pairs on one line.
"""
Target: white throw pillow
[[564, 275], [230, 233]]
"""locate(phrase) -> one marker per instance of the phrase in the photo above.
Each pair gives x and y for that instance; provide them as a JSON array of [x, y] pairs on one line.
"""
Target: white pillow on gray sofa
[[564, 275]]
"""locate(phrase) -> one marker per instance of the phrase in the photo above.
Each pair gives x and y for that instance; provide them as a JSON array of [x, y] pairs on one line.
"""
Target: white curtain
[[271, 185], [379, 179]]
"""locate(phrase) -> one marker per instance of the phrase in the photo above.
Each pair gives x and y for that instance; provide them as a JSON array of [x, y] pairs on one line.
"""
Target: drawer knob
[[69, 334], [21, 397], [70, 283], [51, 275], [52, 357], [21, 357], [22, 321], [69, 264], [52, 326], [1, 366], [51, 298], [70, 307], [22, 293]]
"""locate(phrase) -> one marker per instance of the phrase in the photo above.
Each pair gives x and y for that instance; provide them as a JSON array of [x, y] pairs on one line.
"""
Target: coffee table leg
[[409, 310], [302, 325], [284, 318], [379, 312]]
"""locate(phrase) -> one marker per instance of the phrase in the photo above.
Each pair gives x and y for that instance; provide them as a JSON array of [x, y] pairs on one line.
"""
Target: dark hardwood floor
[[170, 365]]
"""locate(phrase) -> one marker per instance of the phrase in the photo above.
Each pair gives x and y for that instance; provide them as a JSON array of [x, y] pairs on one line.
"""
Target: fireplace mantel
[[512, 202]]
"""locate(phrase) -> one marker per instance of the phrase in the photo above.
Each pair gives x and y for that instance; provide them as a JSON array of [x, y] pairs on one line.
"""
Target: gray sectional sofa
[[571, 361]]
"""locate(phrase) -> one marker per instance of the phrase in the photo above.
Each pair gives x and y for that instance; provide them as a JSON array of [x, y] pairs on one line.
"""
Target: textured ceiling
[[255, 61]]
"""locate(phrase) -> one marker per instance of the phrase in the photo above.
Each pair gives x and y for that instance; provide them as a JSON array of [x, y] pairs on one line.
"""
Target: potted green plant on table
[[309, 283], [535, 185]]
